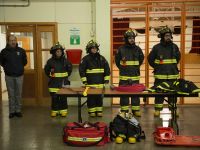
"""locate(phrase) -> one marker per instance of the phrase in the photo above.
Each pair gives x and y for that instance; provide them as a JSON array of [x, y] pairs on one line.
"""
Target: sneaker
[[11, 115], [137, 113], [157, 113], [63, 114], [53, 114], [18, 114], [92, 114], [99, 114]]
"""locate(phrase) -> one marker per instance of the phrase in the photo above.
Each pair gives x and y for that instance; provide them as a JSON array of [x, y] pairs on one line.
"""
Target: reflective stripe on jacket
[[128, 59], [164, 59], [94, 70], [58, 71]]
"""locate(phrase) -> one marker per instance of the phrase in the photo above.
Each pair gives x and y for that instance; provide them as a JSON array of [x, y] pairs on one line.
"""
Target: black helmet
[[130, 33], [163, 31], [91, 44], [56, 47]]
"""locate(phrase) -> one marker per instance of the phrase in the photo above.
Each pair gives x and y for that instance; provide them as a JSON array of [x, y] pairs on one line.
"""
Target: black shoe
[[11, 115], [18, 114]]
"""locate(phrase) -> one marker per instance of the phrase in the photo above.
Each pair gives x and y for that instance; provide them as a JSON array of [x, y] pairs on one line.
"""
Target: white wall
[[2, 45], [103, 31]]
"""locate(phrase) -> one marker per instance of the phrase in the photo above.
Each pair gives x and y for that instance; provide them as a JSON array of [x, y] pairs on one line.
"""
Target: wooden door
[[37, 40], [47, 36]]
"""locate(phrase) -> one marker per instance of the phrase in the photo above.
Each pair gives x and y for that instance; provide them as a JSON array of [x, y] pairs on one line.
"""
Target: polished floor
[[36, 130]]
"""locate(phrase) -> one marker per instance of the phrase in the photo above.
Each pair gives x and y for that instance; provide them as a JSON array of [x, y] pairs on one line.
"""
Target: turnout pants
[[158, 102], [94, 104], [124, 100], [59, 103]]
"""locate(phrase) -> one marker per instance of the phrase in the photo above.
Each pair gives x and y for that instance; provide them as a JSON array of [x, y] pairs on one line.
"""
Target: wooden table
[[78, 92]]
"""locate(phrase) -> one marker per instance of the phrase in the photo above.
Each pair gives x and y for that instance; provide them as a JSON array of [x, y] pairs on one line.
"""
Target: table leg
[[174, 117], [79, 110]]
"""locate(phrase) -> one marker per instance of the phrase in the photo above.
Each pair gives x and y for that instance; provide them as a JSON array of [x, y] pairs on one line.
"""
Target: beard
[[167, 41], [132, 42]]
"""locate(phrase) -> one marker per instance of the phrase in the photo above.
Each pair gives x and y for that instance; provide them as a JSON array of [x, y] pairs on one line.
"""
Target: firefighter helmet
[[130, 33], [91, 44], [163, 31], [56, 47]]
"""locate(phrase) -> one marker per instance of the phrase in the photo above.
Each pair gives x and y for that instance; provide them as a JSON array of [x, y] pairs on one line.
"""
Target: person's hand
[[52, 72]]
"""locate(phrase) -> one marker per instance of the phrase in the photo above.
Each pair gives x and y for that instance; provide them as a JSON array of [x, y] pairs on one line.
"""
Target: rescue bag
[[85, 134], [124, 127]]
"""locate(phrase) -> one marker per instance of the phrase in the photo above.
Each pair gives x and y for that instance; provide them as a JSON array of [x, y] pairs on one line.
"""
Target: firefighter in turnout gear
[[128, 59], [58, 69], [164, 58], [94, 71]]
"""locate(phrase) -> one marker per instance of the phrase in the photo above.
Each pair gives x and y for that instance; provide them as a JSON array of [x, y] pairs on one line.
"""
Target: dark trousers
[[124, 100], [95, 103], [58, 102], [160, 100]]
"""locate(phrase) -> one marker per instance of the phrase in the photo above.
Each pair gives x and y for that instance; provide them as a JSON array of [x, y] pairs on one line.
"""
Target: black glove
[[66, 82]]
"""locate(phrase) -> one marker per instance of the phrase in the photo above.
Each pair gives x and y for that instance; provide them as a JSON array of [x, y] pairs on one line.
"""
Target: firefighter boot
[[157, 113], [132, 140], [99, 114], [92, 114], [53, 114], [137, 113], [63, 114], [119, 140]]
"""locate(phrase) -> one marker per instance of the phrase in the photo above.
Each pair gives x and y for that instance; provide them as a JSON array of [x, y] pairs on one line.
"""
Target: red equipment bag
[[86, 134], [131, 88], [167, 136]]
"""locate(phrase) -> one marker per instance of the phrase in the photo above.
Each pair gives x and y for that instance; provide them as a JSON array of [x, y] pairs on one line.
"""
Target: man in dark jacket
[[94, 71], [13, 59], [58, 69], [128, 59], [164, 59]]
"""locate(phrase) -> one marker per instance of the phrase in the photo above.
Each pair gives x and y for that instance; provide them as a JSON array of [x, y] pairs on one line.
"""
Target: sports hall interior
[[38, 24]]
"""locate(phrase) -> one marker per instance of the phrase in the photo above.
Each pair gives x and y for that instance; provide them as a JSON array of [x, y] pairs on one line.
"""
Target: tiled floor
[[38, 131]]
